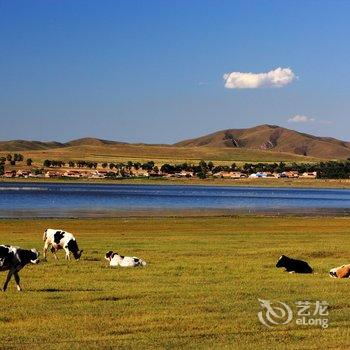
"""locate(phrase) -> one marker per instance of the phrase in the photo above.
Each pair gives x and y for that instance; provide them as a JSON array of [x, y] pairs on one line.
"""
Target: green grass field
[[160, 154], [199, 289]]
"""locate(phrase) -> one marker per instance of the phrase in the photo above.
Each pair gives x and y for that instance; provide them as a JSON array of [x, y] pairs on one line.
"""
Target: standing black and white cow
[[13, 259], [59, 239]]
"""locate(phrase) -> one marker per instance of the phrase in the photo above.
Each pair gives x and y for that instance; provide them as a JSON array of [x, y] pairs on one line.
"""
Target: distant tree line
[[325, 170], [53, 163], [12, 159], [2, 165]]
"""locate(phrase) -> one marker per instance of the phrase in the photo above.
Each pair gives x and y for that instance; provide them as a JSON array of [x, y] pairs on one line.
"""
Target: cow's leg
[[9, 275], [67, 253], [17, 279], [53, 251], [46, 246]]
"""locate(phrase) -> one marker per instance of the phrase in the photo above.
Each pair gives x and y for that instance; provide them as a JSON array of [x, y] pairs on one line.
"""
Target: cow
[[124, 261], [340, 272], [59, 239], [293, 265], [13, 259]]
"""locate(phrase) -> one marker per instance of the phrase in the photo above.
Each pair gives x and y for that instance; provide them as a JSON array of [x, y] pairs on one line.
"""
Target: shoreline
[[144, 213], [278, 183]]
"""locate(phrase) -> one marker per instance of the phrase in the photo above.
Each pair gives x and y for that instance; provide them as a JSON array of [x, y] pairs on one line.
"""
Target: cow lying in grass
[[293, 265], [125, 261], [340, 272], [59, 239], [13, 259]]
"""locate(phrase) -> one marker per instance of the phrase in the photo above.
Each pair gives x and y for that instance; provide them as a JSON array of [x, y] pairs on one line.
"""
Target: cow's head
[[28, 256], [109, 255], [333, 272], [77, 254], [34, 256], [73, 248], [282, 261]]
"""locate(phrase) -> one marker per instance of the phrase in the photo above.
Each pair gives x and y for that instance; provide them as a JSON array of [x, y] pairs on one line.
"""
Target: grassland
[[160, 154], [199, 289]]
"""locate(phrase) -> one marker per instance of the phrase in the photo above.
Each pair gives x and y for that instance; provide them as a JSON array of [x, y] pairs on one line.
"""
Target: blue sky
[[152, 71]]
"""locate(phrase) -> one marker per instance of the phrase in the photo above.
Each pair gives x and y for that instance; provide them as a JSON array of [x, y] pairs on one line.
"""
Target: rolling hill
[[260, 143], [90, 141], [274, 138], [23, 145], [160, 154]]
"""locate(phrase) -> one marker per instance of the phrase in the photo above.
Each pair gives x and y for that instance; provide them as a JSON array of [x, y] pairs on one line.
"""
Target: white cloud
[[304, 119], [301, 119], [275, 78]]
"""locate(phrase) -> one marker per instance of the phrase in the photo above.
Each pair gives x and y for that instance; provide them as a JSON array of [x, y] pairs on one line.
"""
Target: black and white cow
[[125, 261], [13, 259], [293, 265], [59, 239]]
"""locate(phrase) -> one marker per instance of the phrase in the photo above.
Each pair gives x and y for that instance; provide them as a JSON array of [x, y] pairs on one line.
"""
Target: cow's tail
[[45, 235], [143, 263]]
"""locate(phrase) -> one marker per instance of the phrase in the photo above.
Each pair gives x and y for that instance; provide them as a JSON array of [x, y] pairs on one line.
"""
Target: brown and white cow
[[340, 272]]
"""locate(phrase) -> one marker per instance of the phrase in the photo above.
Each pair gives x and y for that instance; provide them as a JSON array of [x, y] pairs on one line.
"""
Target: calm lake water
[[84, 200]]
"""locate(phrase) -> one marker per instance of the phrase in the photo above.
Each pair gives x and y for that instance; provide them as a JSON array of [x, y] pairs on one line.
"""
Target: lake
[[88, 200]]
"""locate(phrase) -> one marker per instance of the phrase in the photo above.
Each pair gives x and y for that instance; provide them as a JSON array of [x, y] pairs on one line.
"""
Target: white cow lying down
[[125, 261]]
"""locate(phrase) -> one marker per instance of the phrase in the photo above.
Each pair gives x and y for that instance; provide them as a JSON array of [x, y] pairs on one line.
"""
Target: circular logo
[[273, 315]]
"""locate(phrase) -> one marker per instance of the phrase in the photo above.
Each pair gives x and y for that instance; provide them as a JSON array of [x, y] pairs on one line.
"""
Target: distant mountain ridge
[[263, 137], [276, 138], [23, 145]]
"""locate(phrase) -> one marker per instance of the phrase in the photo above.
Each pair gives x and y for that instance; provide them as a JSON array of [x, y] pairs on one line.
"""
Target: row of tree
[[93, 165], [325, 170], [16, 157], [12, 159], [53, 163]]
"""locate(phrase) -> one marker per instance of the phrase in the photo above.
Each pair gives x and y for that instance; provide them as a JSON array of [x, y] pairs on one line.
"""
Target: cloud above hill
[[301, 119], [274, 78], [304, 119]]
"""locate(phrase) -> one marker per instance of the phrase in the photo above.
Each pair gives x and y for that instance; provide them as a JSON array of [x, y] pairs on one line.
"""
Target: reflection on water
[[81, 200]]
